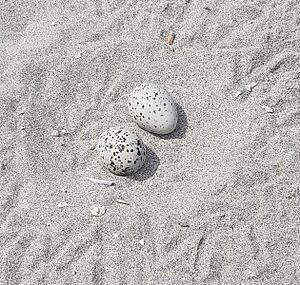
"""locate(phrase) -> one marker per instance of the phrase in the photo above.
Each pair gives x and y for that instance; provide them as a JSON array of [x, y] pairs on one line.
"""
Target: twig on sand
[[98, 181]]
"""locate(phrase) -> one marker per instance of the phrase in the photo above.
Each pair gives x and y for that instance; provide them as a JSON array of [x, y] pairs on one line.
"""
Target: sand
[[218, 200]]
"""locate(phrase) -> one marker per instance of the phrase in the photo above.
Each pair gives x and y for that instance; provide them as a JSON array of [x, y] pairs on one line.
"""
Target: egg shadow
[[149, 168], [181, 128]]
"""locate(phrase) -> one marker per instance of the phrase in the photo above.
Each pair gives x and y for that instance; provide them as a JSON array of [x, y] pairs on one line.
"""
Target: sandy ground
[[218, 201]]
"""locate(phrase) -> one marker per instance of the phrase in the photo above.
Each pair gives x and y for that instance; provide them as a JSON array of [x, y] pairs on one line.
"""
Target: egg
[[153, 109], [121, 151]]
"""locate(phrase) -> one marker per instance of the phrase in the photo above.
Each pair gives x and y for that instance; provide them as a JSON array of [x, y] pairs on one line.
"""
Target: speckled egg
[[121, 151], [153, 109]]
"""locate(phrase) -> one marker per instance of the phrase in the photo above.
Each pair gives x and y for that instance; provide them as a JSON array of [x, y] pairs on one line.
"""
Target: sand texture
[[218, 200]]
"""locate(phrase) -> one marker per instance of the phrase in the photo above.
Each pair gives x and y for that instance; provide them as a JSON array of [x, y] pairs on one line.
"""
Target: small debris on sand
[[55, 133], [142, 242], [120, 201], [238, 93], [268, 109], [184, 225], [99, 181], [250, 87], [98, 211], [171, 38], [55, 23], [78, 55], [62, 205], [93, 147]]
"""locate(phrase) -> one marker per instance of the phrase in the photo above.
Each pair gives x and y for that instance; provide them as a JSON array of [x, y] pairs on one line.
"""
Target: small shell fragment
[[55, 133], [142, 242], [238, 93], [78, 55], [120, 201], [62, 205], [171, 38], [98, 181], [98, 211], [250, 86], [268, 109]]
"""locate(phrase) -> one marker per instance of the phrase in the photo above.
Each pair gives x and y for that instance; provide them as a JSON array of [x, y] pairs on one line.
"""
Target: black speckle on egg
[[121, 147], [129, 161]]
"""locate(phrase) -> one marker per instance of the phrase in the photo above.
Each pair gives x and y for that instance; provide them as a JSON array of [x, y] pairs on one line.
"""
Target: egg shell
[[153, 109], [121, 151]]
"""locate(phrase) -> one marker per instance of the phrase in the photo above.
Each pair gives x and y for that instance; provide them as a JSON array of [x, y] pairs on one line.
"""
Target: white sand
[[218, 201]]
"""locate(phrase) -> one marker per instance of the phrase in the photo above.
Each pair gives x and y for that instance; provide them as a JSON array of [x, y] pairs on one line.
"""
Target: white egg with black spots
[[121, 151], [153, 109]]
